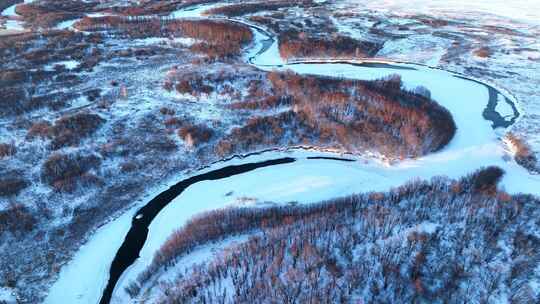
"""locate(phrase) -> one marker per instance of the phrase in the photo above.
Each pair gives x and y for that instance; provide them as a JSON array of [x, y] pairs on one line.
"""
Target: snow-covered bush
[[194, 135], [7, 150], [70, 129], [17, 219], [12, 182], [523, 152], [64, 171]]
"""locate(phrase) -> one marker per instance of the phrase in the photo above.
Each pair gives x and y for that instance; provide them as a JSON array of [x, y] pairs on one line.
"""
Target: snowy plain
[[523, 10], [7, 295], [67, 64], [475, 145]]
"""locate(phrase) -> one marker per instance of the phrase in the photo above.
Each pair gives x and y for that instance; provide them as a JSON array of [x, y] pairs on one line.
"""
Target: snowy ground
[[7, 295], [68, 64], [475, 145], [523, 10]]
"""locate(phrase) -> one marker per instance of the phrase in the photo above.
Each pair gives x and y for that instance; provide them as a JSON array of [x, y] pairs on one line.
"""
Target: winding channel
[[477, 143], [134, 241]]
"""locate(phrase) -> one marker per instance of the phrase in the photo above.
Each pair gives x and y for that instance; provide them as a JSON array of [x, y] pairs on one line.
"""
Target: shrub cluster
[[194, 135], [217, 39], [524, 154], [17, 219], [64, 171], [14, 101], [12, 182], [7, 150], [52, 12], [483, 52], [267, 102], [227, 81], [194, 87], [487, 179], [68, 130]]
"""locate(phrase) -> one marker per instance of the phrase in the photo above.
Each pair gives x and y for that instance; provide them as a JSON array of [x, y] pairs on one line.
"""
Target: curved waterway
[[136, 236], [298, 175]]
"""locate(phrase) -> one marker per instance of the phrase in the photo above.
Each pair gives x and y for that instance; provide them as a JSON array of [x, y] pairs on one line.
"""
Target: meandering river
[[303, 175]]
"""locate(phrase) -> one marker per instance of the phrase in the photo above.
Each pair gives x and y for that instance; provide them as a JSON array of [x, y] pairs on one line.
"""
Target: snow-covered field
[[7, 295], [523, 10], [475, 145], [68, 64]]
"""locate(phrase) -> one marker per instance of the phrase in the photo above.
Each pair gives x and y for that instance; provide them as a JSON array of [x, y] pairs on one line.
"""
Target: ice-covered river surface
[[475, 145]]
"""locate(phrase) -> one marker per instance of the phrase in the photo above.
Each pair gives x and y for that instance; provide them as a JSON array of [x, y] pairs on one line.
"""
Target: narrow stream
[[134, 241]]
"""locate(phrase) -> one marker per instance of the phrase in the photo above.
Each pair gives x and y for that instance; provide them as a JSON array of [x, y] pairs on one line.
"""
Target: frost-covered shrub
[[17, 219], [71, 129], [483, 52], [7, 150], [523, 154], [487, 179], [194, 86], [174, 122], [41, 128], [12, 182], [423, 91], [167, 111], [68, 130], [14, 101], [12, 77], [64, 171], [194, 135]]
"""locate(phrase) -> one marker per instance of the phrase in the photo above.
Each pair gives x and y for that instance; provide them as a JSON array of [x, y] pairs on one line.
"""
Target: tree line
[[217, 39], [296, 44]]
